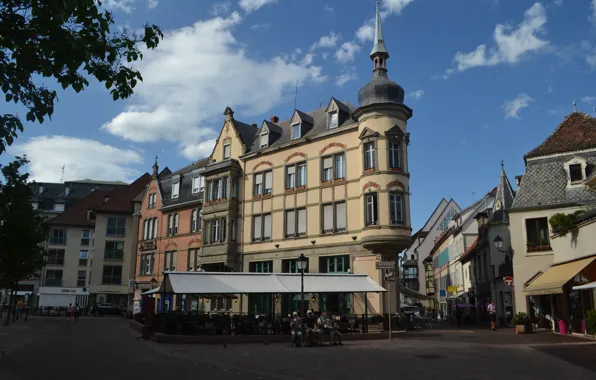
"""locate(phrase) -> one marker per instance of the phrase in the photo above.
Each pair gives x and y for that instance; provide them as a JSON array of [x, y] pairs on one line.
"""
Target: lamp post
[[302, 263], [153, 283], [498, 242]]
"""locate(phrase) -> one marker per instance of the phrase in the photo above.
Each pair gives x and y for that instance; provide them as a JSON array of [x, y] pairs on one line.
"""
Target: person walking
[[492, 312], [69, 312], [77, 312]]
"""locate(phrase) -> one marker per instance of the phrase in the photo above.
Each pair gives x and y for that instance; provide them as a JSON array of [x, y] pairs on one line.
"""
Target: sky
[[488, 80]]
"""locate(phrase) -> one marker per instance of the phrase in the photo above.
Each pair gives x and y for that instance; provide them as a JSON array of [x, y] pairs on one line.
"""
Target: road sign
[[385, 264], [508, 280], [389, 275], [452, 289]]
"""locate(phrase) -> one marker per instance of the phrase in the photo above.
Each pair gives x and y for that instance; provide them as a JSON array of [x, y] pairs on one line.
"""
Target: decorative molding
[[340, 145], [227, 139], [268, 163], [369, 185], [195, 240], [295, 154], [170, 244], [397, 184]]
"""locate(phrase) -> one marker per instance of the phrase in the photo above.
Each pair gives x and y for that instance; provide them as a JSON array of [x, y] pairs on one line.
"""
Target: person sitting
[[325, 326], [296, 330]]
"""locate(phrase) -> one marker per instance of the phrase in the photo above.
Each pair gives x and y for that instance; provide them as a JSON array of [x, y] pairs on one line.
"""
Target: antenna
[[321, 104], [296, 95], [62, 176]]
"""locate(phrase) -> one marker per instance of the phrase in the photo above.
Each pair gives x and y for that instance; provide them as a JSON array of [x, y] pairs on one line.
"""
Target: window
[[83, 258], [59, 207], [194, 220], [226, 151], [234, 188], [116, 226], [537, 234], [268, 183], [263, 183], [291, 266], [296, 223], [334, 264], [333, 120], [175, 190], [198, 184], [85, 237], [264, 140], [58, 236], [369, 156], [91, 215], [114, 250], [155, 228], [301, 174], [55, 257], [233, 230], [396, 209], [334, 168], [147, 263], [215, 231], [445, 222], [112, 275], [217, 189], [193, 259], [290, 177], [170, 258], [152, 198], [35, 205], [295, 131], [296, 175], [146, 229], [53, 278], [173, 220], [576, 173], [334, 217], [371, 213], [262, 227], [81, 278], [260, 267], [394, 154]]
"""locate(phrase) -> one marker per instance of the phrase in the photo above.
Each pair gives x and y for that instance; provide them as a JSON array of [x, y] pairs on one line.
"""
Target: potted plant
[[522, 323]]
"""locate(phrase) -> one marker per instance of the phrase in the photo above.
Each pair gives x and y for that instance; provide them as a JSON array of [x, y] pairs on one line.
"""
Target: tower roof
[[379, 46], [503, 199]]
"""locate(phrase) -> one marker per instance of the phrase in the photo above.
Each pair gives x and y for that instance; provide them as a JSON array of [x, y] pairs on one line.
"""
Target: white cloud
[[485, 127], [221, 9], [260, 26], [395, 6], [416, 94], [152, 3], [511, 44], [513, 107], [347, 74], [328, 41], [328, 8], [592, 17], [125, 6], [589, 99], [549, 89], [558, 2], [590, 53], [194, 74], [347, 51], [366, 32], [81, 158], [325, 55], [253, 5]]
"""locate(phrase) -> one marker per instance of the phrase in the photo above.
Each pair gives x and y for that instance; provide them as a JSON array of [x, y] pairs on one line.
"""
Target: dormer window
[[333, 120], [175, 190], [576, 173], [66, 191], [296, 131], [264, 140]]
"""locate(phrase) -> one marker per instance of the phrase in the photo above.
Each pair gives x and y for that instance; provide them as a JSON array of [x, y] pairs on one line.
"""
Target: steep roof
[[577, 132], [185, 193], [76, 215], [121, 202], [503, 199], [247, 133]]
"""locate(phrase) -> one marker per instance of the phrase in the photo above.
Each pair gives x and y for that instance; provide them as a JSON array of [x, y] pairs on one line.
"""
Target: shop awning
[[412, 293], [152, 291], [250, 283], [591, 285], [553, 280]]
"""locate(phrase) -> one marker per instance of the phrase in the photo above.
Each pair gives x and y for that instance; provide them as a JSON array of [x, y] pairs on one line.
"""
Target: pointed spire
[[574, 106], [379, 42], [504, 197], [155, 169]]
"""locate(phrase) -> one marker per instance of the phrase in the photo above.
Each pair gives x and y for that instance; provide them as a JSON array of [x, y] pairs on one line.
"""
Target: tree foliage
[[67, 41], [22, 230]]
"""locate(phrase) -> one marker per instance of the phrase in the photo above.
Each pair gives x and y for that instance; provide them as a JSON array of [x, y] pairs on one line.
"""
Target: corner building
[[332, 184]]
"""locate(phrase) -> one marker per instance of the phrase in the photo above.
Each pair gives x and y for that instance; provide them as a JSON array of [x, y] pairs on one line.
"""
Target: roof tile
[[576, 132]]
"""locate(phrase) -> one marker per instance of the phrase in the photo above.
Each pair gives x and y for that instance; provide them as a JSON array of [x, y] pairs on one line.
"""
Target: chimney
[[274, 119]]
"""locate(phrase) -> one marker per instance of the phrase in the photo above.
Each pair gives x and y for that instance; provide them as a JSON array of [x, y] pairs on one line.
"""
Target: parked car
[[413, 311], [105, 309]]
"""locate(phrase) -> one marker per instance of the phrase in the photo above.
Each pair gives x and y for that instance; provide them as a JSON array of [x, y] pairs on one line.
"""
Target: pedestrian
[[69, 312], [492, 312], [77, 312]]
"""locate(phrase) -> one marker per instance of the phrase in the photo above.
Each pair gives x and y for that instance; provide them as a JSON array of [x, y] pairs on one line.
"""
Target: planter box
[[523, 329]]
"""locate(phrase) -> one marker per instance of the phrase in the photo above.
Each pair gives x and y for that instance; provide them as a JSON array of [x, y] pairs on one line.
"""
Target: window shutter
[[291, 169], [328, 217], [257, 227], [192, 254], [340, 215], [259, 179], [290, 223], [302, 221], [339, 166], [267, 226], [302, 175], [328, 163], [268, 180], [155, 225]]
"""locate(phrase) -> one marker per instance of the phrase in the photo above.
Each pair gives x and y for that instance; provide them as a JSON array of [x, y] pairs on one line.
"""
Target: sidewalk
[[20, 333]]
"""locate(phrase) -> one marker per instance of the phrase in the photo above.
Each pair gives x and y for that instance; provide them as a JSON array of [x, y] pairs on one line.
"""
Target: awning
[[250, 283], [149, 292], [591, 285], [412, 293], [553, 280]]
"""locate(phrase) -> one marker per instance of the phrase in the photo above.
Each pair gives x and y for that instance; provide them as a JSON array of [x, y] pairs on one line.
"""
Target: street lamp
[[302, 262], [153, 283], [498, 242]]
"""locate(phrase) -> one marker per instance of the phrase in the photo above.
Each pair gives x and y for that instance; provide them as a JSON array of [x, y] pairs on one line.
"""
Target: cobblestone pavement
[[93, 349], [444, 355]]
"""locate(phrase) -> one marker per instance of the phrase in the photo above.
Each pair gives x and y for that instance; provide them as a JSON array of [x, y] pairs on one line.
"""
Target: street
[[95, 347]]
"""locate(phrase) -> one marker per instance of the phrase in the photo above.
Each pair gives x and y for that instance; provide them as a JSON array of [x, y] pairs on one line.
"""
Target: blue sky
[[488, 80]]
